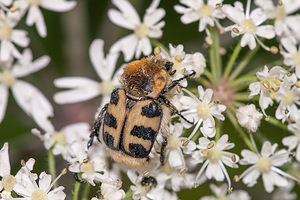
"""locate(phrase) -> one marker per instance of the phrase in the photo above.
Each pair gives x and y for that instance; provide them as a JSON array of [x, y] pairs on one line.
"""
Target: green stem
[[241, 97], [216, 47], [157, 43], [277, 123], [239, 129], [209, 76], [242, 80], [218, 130], [212, 58], [128, 195], [76, 190], [232, 59], [243, 63], [86, 191], [51, 165]]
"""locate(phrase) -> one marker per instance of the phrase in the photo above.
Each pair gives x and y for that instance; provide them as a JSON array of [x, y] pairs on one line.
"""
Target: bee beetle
[[139, 111]]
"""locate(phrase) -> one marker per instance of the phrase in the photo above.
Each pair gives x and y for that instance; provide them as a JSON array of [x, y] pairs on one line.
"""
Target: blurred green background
[[67, 43]]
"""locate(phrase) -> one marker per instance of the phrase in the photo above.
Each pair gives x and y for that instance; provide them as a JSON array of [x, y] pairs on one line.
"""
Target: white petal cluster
[[285, 22], [291, 54], [35, 15], [202, 110], [248, 117], [199, 10], [268, 84], [81, 88], [266, 163], [222, 193], [127, 17], [184, 63], [28, 97], [214, 156], [249, 24], [293, 141]]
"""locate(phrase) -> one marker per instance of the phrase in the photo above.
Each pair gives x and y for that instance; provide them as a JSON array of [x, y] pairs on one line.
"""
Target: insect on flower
[[139, 111]]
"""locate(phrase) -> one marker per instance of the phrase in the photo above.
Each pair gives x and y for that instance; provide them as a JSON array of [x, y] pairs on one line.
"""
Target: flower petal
[[4, 160], [58, 5], [3, 101]]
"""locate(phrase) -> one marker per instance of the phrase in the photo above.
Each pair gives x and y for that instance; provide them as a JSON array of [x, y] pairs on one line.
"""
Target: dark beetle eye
[[168, 66]]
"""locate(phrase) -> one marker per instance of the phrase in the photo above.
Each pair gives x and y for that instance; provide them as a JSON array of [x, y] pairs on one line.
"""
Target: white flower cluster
[[196, 152]]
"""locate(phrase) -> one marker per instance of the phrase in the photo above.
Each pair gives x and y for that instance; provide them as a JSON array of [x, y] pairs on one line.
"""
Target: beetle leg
[[77, 178], [174, 109], [96, 127], [162, 150], [176, 82]]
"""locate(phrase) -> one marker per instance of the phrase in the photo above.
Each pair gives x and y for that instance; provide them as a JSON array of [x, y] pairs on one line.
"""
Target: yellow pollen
[[178, 58], [5, 32], [7, 78], [235, 30], [39, 195], [279, 13], [173, 142], [248, 26], [87, 167], [184, 142], [8, 182], [34, 2], [203, 110], [297, 84], [141, 30], [181, 171], [214, 154], [106, 87], [296, 58], [277, 81], [289, 99], [157, 50], [264, 164], [266, 84], [205, 11]]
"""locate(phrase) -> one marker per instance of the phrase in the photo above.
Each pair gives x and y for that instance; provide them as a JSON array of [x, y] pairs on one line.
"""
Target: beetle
[[137, 112]]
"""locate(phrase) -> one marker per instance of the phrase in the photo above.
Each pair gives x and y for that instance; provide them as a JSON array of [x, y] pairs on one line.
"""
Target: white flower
[[5, 2], [283, 21], [202, 109], [293, 141], [61, 140], [82, 89], [291, 54], [222, 193], [9, 36], [138, 41], [198, 10], [248, 24], [266, 164], [92, 169], [269, 84], [30, 190], [110, 191], [249, 117], [214, 156], [8, 180], [29, 98], [289, 97], [285, 193], [35, 16], [184, 63], [176, 146]]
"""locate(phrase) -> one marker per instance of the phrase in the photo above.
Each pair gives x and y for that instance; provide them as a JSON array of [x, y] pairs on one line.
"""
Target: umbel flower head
[[150, 27]]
